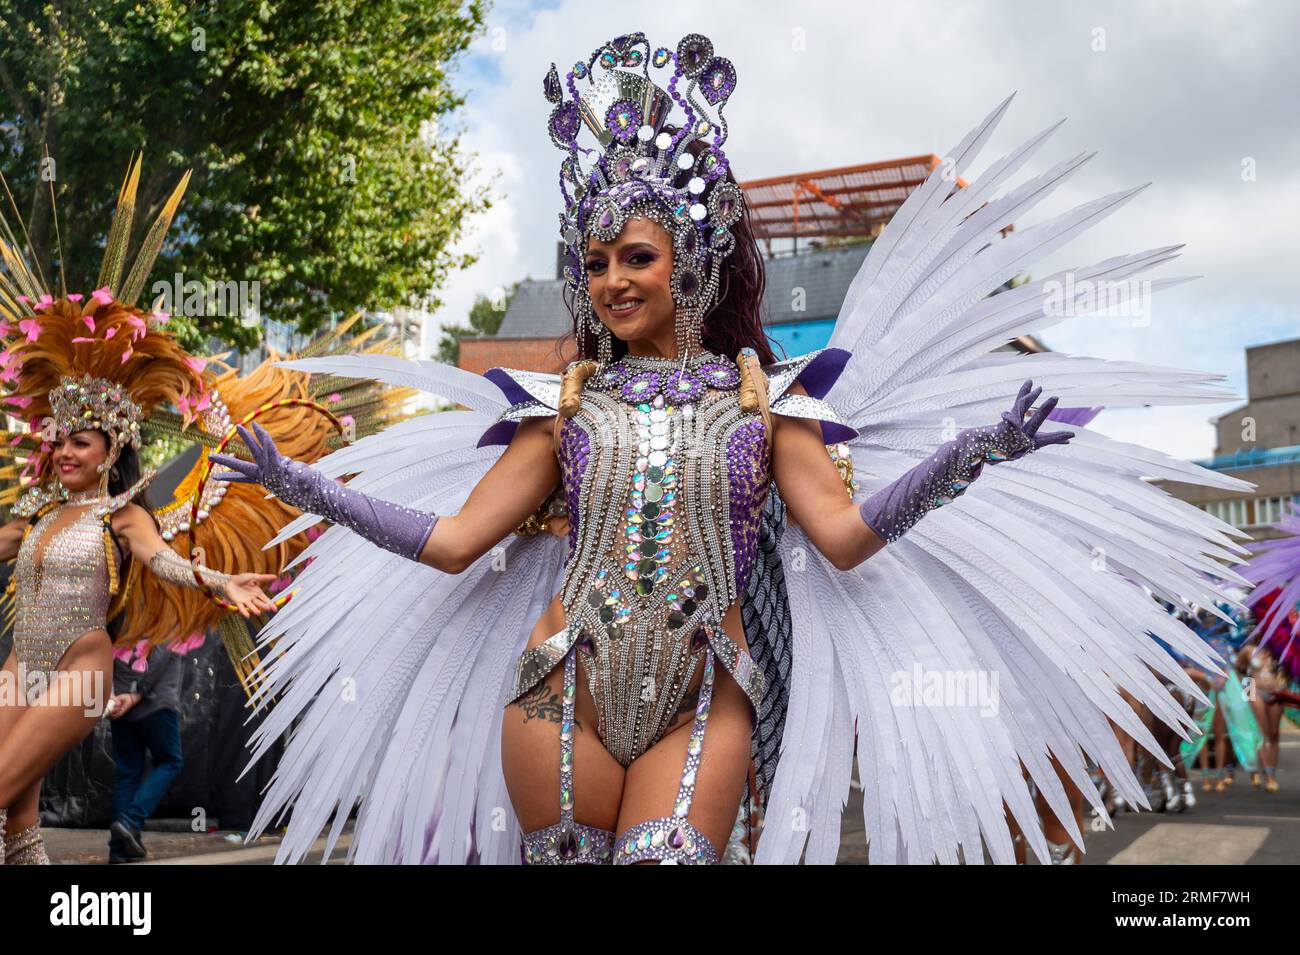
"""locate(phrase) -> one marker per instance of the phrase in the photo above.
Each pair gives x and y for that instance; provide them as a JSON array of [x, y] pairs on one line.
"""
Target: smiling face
[[628, 280], [76, 457]]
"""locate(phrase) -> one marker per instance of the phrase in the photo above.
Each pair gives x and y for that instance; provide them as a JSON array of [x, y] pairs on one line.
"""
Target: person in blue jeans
[[146, 718]]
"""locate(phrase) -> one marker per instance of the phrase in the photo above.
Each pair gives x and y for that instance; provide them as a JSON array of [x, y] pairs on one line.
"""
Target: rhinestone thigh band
[[567, 842]]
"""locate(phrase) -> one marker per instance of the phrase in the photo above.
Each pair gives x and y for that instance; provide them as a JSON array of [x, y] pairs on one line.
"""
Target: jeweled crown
[[89, 402], [641, 159]]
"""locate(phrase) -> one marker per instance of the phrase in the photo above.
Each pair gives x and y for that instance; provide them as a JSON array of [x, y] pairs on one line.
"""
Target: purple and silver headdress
[[639, 163]]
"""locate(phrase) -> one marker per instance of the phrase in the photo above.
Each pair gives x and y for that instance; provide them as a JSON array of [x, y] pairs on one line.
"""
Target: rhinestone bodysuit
[[66, 594], [665, 477]]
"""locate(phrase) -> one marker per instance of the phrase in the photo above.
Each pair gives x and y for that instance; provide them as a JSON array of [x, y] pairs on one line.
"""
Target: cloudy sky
[[1184, 95]]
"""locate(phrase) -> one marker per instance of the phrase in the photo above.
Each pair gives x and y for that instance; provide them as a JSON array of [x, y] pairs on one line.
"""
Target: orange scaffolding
[[849, 201]]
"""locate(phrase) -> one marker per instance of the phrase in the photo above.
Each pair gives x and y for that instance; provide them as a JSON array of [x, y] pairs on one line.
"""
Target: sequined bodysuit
[[63, 596], [665, 478]]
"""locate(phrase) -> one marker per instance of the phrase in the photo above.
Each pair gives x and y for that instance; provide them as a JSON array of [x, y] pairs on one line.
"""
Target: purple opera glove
[[399, 529], [892, 510]]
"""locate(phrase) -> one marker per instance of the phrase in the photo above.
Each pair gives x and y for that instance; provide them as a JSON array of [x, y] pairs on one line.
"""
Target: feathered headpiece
[[92, 361], [98, 361], [675, 176]]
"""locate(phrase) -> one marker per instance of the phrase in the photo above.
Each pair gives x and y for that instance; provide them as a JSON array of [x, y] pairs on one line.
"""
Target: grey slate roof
[[537, 309]]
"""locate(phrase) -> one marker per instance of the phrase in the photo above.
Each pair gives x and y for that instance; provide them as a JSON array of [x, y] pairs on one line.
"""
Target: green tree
[[307, 126], [485, 317]]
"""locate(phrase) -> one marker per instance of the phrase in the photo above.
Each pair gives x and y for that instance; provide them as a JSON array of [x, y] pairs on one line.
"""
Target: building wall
[[1273, 390], [532, 354], [1276, 420]]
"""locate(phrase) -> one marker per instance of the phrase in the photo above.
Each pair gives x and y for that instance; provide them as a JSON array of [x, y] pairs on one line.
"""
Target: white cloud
[[1180, 95]]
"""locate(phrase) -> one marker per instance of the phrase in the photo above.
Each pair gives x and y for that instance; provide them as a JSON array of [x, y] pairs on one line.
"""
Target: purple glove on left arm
[[399, 529], [892, 510]]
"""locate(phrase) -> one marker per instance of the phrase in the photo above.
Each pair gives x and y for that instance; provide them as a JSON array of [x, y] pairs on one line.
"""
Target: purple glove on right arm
[[892, 510], [399, 529]]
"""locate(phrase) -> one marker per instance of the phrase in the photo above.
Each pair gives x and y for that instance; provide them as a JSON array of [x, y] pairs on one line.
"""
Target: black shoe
[[131, 849]]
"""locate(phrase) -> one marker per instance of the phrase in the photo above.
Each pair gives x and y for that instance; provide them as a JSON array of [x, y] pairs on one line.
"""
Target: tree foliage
[[309, 127]]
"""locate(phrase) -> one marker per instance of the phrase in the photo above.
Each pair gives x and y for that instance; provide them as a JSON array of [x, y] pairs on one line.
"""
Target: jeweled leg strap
[[567, 842], [672, 839], [26, 848]]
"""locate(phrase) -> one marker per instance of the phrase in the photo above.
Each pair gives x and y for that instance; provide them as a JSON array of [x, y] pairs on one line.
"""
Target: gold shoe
[[1221, 786], [1231, 779], [1207, 784], [1256, 780], [1271, 786]]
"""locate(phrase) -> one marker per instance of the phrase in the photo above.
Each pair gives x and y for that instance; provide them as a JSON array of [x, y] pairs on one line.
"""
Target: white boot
[[1065, 853], [1171, 799]]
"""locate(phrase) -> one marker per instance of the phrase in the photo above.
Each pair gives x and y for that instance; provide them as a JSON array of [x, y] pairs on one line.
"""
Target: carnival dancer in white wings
[[426, 676]]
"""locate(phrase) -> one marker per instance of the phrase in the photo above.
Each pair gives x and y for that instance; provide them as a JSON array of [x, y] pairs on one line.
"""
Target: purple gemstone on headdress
[[719, 375], [718, 81], [682, 386], [693, 52], [643, 386], [564, 121], [690, 242], [623, 119], [606, 220], [689, 283], [726, 205], [551, 85]]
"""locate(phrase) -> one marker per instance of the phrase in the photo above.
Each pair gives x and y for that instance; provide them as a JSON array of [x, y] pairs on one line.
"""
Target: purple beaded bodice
[[665, 477]]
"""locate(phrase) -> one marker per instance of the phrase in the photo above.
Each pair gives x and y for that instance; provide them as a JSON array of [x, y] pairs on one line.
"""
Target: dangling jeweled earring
[[689, 332], [598, 329]]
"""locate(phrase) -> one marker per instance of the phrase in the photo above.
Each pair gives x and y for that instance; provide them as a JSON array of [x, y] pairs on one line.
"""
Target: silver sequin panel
[[640, 649], [66, 596]]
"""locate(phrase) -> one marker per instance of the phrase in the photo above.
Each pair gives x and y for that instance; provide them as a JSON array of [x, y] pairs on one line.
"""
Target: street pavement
[[1242, 826]]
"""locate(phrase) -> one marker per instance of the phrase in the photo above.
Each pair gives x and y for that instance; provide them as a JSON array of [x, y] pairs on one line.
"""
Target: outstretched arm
[[891, 511], [135, 525], [814, 492], [513, 488]]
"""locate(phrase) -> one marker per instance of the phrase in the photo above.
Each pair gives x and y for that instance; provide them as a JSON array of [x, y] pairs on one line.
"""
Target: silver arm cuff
[[174, 569]]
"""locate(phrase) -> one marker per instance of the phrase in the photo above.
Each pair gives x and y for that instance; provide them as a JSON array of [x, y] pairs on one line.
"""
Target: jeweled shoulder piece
[[34, 498]]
